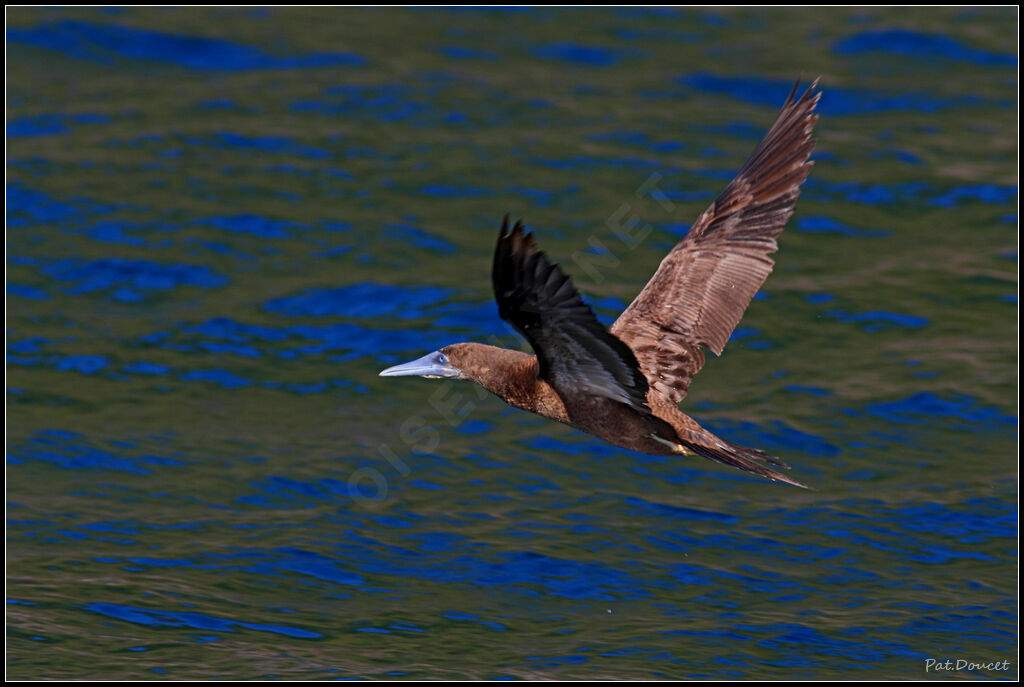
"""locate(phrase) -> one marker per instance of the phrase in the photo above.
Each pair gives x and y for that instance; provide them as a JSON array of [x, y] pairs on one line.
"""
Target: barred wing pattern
[[704, 285]]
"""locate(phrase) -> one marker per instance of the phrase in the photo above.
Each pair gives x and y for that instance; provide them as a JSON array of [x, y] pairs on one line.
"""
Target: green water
[[213, 248]]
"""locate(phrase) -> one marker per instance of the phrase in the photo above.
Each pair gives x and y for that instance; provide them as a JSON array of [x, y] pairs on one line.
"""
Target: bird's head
[[436, 365], [479, 363]]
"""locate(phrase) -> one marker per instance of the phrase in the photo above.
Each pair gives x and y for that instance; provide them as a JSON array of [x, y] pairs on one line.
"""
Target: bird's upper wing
[[577, 354], [703, 286]]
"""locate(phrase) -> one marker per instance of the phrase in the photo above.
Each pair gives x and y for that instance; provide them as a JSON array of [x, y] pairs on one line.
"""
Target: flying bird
[[624, 384]]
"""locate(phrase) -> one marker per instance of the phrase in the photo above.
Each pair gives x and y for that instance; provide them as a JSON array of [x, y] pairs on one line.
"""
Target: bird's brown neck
[[512, 376]]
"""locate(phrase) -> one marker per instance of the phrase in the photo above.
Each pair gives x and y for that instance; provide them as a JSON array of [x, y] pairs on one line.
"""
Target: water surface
[[222, 223]]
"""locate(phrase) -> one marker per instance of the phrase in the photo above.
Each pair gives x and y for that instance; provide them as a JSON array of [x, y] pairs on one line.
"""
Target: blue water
[[223, 222]]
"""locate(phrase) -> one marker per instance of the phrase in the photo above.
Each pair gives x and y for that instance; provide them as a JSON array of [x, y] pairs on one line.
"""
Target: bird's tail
[[742, 457]]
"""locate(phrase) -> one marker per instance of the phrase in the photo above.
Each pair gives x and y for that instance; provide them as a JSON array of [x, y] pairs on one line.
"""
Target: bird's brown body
[[624, 384], [514, 377]]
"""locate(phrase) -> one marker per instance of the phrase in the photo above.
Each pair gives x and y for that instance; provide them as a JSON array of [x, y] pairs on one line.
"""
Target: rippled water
[[221, 223]]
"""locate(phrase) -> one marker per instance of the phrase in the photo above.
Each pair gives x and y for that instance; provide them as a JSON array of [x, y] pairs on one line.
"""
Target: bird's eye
[[442, 358]]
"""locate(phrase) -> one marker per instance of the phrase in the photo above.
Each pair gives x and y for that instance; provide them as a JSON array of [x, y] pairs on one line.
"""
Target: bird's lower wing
[[576, 353]]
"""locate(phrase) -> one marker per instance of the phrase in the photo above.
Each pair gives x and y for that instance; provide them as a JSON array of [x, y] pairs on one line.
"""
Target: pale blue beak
[[434, 365]]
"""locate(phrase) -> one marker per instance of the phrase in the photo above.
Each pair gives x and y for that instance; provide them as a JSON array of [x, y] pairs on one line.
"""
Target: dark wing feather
[[703, 286], [576, 352]]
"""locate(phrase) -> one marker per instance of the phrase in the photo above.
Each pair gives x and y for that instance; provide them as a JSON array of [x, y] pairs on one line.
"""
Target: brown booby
[[624, 384]]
